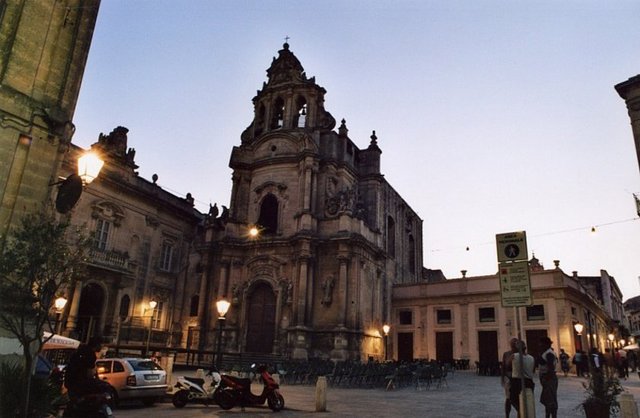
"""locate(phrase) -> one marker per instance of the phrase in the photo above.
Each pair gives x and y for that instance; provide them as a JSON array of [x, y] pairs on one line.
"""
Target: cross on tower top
[[286, 39]]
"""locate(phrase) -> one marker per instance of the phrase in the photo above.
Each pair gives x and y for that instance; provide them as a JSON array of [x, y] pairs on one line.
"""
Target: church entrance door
[[261, 319]]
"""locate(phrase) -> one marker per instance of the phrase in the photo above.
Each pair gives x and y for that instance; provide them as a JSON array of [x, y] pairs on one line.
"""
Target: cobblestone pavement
[[465, 395]]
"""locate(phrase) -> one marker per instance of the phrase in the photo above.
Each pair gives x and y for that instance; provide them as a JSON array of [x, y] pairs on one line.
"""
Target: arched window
[[124, 306], [260, 120], [277, 117], [391, 237], [412, 254], [195, 300], [268, 219], [301, 115]]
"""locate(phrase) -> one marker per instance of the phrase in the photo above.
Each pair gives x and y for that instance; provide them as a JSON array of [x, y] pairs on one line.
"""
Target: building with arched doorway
[[334, 235], [142, 251]]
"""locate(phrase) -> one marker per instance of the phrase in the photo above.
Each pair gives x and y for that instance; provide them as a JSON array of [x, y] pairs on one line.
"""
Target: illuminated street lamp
[[59, 305], [70, 189], [611, 338], [385, 329], [152, 306], [578, 327], [89, 166], [223, 307]]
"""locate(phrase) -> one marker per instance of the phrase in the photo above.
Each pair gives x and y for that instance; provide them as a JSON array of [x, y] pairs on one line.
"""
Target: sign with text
[[512, 246], [515, 284]]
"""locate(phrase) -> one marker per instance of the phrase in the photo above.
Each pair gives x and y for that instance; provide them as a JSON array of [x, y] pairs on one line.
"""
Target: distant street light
[[385, 329], [578, 327], [59, 305], [152, 306], [611, 338], [223, 307]]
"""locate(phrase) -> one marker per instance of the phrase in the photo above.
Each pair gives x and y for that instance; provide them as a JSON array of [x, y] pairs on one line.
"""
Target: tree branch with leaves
[[37, 260]]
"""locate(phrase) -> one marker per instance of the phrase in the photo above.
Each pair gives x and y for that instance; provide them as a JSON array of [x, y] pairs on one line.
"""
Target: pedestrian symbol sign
[[512, 246], [515, 284]]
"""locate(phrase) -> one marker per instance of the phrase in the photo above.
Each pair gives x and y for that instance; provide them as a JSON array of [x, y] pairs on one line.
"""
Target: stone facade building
[[464, 318], [44, 45], [334, 235], [143, 250]]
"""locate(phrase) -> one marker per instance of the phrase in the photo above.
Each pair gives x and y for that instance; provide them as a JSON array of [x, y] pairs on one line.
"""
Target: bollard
[[527, 404], [321, 394], [628, 408]]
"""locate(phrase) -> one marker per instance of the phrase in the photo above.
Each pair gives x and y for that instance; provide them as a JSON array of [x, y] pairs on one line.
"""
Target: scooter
[[195, 389], [234, 391]]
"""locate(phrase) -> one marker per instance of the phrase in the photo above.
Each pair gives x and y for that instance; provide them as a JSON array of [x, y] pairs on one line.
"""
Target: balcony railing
[[109, 258]]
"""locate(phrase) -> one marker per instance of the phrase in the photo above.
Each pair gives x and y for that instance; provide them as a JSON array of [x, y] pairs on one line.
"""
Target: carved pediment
[[108, 211]]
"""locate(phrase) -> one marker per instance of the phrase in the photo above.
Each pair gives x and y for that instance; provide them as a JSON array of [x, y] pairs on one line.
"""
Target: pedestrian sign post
[[512, 246], [515, 284], [515, 291]]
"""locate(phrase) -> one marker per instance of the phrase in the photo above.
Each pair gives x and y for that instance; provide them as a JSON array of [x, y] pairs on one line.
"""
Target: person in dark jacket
[[80, 376]]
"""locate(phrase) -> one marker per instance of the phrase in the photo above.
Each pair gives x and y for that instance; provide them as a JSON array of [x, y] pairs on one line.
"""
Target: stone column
[[223, 285], [343, 286], [302, 291], [72, 321], [630, 91]]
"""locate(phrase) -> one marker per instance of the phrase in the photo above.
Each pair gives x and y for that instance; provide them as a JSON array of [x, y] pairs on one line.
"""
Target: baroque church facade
[[334, 236]]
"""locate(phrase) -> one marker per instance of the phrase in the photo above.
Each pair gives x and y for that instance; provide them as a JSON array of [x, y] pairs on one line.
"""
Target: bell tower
[[288, 100]]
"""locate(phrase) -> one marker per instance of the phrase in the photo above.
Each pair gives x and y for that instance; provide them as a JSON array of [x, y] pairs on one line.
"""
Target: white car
[[133, 378]]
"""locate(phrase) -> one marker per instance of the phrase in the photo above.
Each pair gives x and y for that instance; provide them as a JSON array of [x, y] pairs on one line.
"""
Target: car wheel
[[148, 401], [180, 398]]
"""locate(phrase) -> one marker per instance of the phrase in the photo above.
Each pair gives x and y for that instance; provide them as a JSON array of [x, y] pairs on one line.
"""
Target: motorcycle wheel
[[180, 398], [275, 402], [225, 399]]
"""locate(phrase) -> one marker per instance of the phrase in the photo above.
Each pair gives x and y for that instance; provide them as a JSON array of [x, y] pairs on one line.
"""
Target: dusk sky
[[492, 116]]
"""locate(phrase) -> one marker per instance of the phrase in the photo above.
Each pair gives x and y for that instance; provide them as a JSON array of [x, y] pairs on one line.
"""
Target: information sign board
[[515, 284]]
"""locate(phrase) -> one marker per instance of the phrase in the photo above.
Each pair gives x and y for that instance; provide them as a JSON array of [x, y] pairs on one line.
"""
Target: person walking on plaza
[[505, 373], [548, 378], [564, 362], [526, 370]]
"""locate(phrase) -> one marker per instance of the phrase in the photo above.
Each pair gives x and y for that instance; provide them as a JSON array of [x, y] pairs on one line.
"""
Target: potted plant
[[601, 392]]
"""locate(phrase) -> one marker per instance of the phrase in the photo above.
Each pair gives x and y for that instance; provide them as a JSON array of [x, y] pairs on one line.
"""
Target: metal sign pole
[[523, 392]]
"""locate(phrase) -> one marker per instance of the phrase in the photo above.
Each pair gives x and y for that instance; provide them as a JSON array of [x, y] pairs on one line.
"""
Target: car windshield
[[144, 365]]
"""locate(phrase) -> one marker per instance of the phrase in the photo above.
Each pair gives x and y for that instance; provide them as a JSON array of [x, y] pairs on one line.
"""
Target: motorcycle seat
[[197, 380]]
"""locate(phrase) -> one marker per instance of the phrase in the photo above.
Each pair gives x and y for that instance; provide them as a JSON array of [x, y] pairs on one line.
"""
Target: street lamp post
[[223, 307], [578, 327], [386, 328], [152, 306], [611, 338], [59, 304]]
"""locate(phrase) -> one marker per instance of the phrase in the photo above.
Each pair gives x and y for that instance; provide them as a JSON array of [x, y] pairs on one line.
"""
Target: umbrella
[[58, 341], [633, 347]]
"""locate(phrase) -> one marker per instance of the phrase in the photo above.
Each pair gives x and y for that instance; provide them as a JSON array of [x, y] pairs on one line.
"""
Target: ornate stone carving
[[327, 290]]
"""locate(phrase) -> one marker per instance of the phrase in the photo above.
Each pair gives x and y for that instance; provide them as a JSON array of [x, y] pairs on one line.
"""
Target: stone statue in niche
[[288, 292], [327, 290]]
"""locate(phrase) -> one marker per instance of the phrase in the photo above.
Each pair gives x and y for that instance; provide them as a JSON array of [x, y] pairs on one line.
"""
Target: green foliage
[[44, 398], [39, 257], [37, 260], [602, 388]]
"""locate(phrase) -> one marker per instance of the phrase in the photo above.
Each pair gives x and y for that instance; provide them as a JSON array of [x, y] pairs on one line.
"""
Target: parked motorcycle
[[95, 405], [234, 391], [195, 389]]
